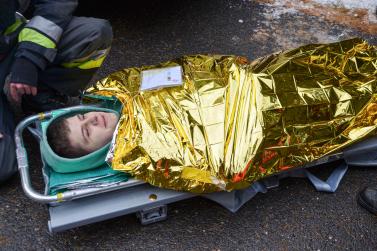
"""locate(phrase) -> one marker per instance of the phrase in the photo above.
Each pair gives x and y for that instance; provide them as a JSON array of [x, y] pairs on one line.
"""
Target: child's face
[[92, 130]]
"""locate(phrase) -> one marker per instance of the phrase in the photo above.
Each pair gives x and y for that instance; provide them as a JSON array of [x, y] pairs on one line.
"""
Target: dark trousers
[[83, 39]]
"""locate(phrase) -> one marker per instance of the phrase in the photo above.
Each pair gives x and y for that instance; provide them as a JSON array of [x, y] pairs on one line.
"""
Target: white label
[[163, 77]]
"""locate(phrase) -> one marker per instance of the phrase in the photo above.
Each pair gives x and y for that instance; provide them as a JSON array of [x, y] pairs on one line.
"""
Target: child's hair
[[57, 137]]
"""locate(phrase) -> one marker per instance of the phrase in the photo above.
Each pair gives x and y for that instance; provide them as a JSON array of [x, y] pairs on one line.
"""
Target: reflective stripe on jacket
[[42, 33]]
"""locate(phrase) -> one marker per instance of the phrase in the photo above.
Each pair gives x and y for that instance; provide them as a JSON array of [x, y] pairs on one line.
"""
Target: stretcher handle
[[22, 161]]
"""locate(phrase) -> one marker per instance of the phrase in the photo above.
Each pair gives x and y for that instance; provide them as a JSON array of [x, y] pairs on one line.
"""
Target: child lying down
[[221, 122]]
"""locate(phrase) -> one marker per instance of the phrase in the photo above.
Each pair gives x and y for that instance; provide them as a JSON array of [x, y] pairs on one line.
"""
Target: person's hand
[[18, 89], [1, 135]]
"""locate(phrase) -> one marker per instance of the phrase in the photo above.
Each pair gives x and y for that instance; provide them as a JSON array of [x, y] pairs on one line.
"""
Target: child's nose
[[94, 120]]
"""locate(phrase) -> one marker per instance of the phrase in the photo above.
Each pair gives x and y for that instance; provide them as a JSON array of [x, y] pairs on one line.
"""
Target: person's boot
[[367, 198], [46, 100], [43, 101]]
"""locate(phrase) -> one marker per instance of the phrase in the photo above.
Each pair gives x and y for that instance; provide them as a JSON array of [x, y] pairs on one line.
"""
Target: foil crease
[[233, 122]]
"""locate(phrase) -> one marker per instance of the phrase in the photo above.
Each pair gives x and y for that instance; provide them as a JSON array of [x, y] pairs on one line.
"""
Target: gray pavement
[[291, 217]]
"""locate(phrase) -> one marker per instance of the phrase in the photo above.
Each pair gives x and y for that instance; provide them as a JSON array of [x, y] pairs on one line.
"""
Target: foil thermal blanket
[[230, 122]]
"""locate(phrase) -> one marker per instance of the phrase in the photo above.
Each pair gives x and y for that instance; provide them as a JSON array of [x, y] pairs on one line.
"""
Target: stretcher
[[86, 205], [321, 96]]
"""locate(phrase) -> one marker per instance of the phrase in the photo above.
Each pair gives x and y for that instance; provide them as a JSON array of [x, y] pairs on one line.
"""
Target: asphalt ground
[[291, 217]]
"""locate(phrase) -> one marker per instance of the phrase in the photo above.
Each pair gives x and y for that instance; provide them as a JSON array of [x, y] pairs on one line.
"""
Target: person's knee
[[102, 32]]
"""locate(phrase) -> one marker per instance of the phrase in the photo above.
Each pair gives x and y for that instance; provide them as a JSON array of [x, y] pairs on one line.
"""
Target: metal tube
[[23, 165]]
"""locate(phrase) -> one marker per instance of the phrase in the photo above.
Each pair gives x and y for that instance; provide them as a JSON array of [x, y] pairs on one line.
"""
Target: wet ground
[[291, 217]]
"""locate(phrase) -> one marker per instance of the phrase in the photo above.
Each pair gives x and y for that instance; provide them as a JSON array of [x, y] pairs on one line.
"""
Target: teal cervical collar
[[67, 165]]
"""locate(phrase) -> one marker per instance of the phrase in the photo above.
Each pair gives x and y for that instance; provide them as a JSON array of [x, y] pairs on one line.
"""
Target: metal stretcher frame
[[84, 206]]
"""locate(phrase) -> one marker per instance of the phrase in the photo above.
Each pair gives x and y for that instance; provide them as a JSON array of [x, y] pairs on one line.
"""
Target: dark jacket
[[37, 39]]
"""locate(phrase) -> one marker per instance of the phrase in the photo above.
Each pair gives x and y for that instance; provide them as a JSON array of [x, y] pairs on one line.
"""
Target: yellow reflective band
[[36, 37], [13, 27], [59, 197], [41, 116], [90, 64]]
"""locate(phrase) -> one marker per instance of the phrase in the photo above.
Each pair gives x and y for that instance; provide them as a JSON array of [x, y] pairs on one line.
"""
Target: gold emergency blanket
[[233, 122]]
